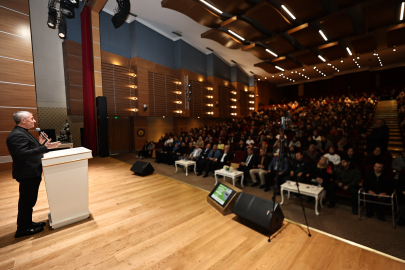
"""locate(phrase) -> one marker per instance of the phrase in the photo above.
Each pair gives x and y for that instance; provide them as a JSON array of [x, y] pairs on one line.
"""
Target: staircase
[[388, 111]]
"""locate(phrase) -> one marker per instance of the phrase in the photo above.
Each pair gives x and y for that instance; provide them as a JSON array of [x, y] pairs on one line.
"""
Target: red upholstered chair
[[238, 156]]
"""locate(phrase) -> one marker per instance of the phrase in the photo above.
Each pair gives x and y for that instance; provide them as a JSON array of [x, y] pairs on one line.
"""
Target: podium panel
[[66, 181]]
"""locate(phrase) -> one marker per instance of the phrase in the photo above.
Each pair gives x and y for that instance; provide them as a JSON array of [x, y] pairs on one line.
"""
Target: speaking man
[[26, 152]]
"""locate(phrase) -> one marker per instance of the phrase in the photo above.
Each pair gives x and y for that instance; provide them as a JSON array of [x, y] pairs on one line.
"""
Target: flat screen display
[[221, 194]]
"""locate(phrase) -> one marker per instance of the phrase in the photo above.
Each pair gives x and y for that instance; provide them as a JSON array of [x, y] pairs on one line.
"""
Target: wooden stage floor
[[157, 222]]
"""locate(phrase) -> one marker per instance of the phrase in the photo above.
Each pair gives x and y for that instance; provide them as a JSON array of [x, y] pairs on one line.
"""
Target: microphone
[[43, 134]]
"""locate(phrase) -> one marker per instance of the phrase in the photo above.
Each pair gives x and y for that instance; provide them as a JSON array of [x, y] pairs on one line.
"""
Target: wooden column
[[17, 81]]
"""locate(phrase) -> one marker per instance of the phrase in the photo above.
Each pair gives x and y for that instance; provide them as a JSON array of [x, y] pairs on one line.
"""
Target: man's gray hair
[[17, 116]]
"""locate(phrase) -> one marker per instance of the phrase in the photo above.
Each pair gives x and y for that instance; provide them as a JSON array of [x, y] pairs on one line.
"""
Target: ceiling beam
[[97, 5]]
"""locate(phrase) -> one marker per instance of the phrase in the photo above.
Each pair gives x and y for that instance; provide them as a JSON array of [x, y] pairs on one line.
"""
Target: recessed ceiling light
[[289, 13], [275, 55], [236, 35], [320, 57], [323, 35], [211, 6], [348, 50], [279, 68]]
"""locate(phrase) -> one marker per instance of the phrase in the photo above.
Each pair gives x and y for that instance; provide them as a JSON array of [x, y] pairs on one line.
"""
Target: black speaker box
[[102, 126], [259, 211], [142, 168]]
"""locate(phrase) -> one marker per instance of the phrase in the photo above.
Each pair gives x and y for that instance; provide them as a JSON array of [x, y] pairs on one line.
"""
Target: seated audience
[[378, 137], [248, 162], [262, 164], [400, 190], [220, 145], [352, 157], [200, 142], [377, 183], [272, 173], [143, 152], [195, 154], [299, 169], [373, 158], [398, 163], [332, 156], [218, 163], [324, 144], [294, 142], [320, 175], [181, 151], [213, 155], [347, 177], [241, 146], [311, 153], [202, 159], [162, 155], [249, 140]]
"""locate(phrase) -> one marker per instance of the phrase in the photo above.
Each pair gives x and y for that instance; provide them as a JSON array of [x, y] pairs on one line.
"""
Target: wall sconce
[[252, 102], [234, 114], [135, 110], [134, 86], [245, 90], [251, 95], [233, 92], [133, 75], [179, 111], [178, 102], [210, 88], [233, 107], [210, 96], [134, 98], [251, 108], [210, 105], [179, 83], [145, 107], [178, 92], [210, 112], [233, 99]]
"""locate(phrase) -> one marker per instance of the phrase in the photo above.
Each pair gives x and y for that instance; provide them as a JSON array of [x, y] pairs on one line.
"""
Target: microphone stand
[[280, 160]]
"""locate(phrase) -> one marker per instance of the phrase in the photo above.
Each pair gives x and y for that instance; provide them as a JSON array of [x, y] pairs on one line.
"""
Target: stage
[[157, 222]]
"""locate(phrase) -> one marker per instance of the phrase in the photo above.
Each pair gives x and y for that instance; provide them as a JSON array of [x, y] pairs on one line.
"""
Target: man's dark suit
[[203, 160], [252, 164], [217, 165], [26, 152]]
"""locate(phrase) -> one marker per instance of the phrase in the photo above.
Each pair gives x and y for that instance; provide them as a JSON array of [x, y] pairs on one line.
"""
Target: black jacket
[[383, 184], [378, 138], [252, 162], [298, 166], [227, 158], [266, 161], [26, 152], [204, 153]]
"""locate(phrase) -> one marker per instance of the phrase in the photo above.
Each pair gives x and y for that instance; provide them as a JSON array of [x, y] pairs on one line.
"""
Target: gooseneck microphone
[[43, 134]]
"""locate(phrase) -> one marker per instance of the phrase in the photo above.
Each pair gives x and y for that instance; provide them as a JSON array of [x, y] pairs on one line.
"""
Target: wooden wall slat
[[75, 77], [15, 23], [75, 63], [12, 95], [18, 5], [6, 118], [8, 46], [16, 71], [74, 48]]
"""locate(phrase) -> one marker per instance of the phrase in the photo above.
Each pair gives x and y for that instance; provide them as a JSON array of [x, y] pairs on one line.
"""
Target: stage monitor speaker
[[142, 168], [102, 127], [259, 211]]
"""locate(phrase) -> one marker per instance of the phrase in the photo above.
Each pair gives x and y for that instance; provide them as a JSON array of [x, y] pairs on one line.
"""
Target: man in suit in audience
[[190, 149], [213, 155], [195, 155], [203, 158], [241, 146], [299, 169], [248, 162], [26, 152], [218, 163], [262, 164], [179, 152], [272, 172]]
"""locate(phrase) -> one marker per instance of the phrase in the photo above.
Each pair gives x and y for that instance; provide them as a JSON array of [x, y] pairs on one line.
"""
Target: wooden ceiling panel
[[306, 35], [347, 3], [307, 57], [258, 51], [280, 45], [269, 17], [396, 35], [244, 29], [195, 11], [379, 13], [364, 44], [267, 67], [338, 25], [306, 10], [234, 7], [333, 51], [285, 63], [223, 38]]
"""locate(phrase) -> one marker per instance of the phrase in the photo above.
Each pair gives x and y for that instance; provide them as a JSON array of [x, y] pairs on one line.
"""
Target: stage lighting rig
[[52, 17], [62, 27], [67, 7]]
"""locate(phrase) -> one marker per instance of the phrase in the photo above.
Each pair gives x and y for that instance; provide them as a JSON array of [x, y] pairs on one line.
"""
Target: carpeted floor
[[339, 221]]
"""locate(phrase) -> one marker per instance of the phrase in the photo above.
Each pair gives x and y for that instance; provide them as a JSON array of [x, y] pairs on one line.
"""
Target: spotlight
[[68, 9], [145, 107], [124, 7], [62, 27], [52, 17]]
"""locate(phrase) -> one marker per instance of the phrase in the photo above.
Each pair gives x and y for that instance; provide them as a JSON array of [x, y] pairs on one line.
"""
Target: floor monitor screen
[[222, 194]]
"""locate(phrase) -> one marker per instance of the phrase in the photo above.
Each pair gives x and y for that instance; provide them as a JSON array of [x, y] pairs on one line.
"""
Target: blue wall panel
[[74, 31], [241, 76], [193, 59], [221, 69], [177, 54], [154, 47], [210, 65], [113, 40]]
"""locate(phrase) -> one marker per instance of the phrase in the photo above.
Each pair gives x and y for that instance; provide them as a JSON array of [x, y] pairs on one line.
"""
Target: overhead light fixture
[[393, 49], [275, 55], [236, 35], [258, 79], [320, 57], [68, 8], [323, 35], [341, 60], [348, 50], [401, 17], [119, 18], [288, 12], [62, 27], [279, 68], [211, 6]]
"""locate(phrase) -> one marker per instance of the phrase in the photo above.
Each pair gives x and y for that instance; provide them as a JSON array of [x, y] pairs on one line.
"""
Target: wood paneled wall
[[227, 101], [203, 100], [120, 88], [17, 81], [119, 134], [72, 62]]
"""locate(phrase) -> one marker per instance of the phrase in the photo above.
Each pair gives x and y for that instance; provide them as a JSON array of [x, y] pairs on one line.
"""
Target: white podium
[[66, 181]]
